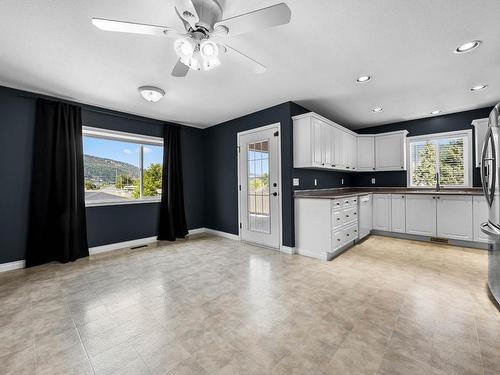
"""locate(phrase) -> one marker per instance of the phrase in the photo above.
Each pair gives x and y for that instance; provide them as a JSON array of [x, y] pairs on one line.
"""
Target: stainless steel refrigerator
[[490, 178]]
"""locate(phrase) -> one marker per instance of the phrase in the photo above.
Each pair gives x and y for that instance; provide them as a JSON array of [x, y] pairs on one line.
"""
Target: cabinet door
[[366, 153], [317, 151], [338, 152], [327, 145], [454, 217], [390, 152], [421, 215], [353, 152], [480, 212], [398, 213], [382, 212]]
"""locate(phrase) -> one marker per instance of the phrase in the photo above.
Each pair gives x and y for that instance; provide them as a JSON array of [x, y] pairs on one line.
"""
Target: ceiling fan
[[203, 40]]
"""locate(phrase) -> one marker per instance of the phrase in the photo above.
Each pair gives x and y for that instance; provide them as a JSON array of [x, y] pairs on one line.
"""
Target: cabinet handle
[[338, 218], [402, 196], [347, 234], [439, 197], [355, 213], [402, 167], [346, 215], [338, 239], [348, 167], [373, 168], [433, 197], [355, 231], [322, 163]]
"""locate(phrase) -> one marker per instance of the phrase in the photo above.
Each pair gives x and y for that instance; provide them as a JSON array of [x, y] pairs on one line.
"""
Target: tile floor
[[215, 306]]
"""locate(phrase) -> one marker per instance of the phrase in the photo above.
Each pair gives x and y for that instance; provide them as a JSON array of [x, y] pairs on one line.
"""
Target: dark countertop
[[349, 192]]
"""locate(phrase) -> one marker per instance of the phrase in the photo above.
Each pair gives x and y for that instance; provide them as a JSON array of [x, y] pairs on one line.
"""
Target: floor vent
[[438, 239], [138, 247]]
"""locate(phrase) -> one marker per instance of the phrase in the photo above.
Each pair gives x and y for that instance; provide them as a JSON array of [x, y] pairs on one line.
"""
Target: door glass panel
[[259, 215]]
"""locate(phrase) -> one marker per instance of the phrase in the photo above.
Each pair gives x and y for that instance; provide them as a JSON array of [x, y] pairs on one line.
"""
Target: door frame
[[276, 126]]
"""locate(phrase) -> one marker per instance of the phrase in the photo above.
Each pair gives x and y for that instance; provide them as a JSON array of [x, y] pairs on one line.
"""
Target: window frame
[[468, 157], [140, 140]]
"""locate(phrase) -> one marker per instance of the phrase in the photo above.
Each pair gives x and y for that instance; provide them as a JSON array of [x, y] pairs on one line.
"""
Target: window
[[448, 154], [121, 167]]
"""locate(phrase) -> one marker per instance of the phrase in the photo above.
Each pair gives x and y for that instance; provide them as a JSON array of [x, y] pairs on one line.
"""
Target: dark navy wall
[[221, 193], [106, 224], [17, 118], [430, 125]]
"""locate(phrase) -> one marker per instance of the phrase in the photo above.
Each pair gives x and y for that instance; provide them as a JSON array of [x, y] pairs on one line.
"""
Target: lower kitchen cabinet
[[398, 213], [382, 212], [454, 217], [480, 208], [421, 215]]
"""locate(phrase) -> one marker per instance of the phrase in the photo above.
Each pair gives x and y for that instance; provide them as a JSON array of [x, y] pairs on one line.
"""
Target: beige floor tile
[[216, 306]]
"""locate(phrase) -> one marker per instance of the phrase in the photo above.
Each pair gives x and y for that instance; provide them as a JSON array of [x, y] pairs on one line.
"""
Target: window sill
[[139, 201]]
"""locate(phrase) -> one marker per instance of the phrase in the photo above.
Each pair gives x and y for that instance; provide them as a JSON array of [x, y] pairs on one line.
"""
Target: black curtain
[[172, 215], [57, 228]]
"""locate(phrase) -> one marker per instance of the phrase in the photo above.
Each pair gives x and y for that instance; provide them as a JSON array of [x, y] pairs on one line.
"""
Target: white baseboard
[[121, 245], [196, 231], [222, 234], [12, 265], [287, 250]]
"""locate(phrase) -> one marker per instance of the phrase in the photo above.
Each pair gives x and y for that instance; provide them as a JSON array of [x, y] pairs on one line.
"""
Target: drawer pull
[[338, 218], [355, 231], [338, 239], [355, 213], [346, 215], [347, 234]]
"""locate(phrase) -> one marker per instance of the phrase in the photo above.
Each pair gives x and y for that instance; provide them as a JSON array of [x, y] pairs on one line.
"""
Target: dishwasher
[[365, 215]]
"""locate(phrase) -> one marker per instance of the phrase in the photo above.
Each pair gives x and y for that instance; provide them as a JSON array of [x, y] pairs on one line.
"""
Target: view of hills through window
[[112, 170]]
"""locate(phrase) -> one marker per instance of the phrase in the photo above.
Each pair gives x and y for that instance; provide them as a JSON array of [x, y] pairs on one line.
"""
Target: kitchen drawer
[[350, 233], [337, 204], [348, 202], [338, 239], [338, 218], [350, 215]]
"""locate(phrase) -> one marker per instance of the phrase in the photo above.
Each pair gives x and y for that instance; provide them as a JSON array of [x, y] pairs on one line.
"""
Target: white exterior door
[[259, 185], [421, 215]]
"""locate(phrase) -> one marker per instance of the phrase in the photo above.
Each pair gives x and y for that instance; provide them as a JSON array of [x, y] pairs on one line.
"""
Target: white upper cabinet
[[421, 215], [480, 128], [322, 144], [398, 213], [390, 151], [382, 212], [454, 217], [366, 153]]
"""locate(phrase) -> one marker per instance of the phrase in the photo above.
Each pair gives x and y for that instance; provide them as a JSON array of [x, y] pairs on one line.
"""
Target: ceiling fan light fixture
[[209, 49], [184, 48], [151, 94]]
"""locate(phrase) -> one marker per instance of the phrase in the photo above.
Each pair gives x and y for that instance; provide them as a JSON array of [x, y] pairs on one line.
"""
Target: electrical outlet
[[315, 182], [342, 181], [373, 181], [296, 182]]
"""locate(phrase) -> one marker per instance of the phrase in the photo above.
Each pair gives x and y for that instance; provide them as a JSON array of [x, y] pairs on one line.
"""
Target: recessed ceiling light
[[467, 47], [363, 79], [377, 109], [151, 94], [478, 88], [436, 112]]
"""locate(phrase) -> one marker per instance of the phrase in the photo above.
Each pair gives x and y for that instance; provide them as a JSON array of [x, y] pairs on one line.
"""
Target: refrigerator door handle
[[490, 230], [489, 191]]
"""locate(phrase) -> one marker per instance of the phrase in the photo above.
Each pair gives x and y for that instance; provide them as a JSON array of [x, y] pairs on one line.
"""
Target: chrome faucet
[[438, 185]]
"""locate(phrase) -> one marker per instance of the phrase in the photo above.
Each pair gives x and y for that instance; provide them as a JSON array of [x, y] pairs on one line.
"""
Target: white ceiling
[[51, 47]]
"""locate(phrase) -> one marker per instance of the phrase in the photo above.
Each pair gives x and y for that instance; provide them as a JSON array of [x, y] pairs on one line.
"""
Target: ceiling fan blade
[[275, 15], [132, 27], [187, 12], [246, 60], [180, 70]]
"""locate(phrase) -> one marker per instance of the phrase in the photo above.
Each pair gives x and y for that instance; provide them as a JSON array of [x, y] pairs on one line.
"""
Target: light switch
[[373, 181], [315, 182], [296, 182]]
